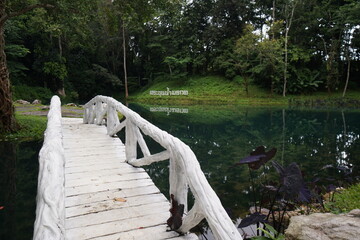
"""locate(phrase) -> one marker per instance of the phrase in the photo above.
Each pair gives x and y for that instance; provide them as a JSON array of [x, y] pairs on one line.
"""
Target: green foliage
[[14, 53], [31, 93], [59, 46], [31, 128], [304, 81], [345, 200], [95, 80], [55, 69], [270, 234]]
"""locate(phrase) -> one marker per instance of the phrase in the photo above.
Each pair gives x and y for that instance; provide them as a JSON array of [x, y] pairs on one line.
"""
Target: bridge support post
[[130, 141]]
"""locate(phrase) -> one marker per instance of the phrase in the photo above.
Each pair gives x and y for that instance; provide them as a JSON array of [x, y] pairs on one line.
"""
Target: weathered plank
[[106, 198], [113, 227], [112, 204], [111, 194], [151, 233], [110, 178]]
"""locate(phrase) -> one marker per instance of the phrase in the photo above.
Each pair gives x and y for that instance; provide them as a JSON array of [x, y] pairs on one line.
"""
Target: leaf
[[252, 219], [292, 183], [120, 199], [2, 207], [251, 159], [258, 157]]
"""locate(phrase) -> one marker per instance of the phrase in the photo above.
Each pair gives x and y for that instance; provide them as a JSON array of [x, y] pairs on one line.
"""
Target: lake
[[219, 136], [18, 187]]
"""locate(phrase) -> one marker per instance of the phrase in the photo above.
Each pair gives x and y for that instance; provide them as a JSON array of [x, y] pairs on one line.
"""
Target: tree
[[246, 48], [348, 16], [7, 117], [289, 18]]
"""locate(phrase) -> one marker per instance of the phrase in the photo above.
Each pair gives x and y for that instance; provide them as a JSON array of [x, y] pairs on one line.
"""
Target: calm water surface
[[18, 186], [221, 136]]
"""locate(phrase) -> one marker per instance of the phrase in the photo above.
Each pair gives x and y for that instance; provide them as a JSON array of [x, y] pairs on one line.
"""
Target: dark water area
[[18, 187], [221, 136]]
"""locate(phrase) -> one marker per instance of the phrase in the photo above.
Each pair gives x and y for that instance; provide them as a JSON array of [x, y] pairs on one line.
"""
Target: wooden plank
[[92, 168], [99, 153], [94, 147], [116, 214], [104, 172], [90, 161], [100, 180], [151, 233], [112, 204], [83, 199], [104, 229], [70, 191]]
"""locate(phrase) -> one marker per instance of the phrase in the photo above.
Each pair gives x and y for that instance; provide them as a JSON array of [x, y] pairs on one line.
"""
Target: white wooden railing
[[50, 206], [185, 171]]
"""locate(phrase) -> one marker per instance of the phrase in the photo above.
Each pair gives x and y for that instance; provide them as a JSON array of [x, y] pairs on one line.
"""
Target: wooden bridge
[[91, 185]]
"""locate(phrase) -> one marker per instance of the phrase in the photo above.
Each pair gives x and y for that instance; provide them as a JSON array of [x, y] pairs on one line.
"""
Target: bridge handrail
[[185, 171], [50, 207]]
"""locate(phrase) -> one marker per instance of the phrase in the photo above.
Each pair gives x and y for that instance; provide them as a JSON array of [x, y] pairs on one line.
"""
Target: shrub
[[31, 93], [345, 200]]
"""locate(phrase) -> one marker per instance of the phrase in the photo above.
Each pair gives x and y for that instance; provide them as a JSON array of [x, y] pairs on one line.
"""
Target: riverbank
[[32, 121], [217, 90]]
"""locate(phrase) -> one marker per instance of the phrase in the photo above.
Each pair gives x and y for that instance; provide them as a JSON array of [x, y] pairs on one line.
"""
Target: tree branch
[[23, 11]]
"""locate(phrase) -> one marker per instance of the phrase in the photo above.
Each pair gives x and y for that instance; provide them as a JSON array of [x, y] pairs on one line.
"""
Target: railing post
[[130, 141], [112, 119], [178, 183], [91, 114], [99, 112]]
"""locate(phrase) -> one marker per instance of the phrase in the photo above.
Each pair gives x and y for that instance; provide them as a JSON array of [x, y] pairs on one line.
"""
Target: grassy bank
[[32, 120], [32, 127], [217, 90]]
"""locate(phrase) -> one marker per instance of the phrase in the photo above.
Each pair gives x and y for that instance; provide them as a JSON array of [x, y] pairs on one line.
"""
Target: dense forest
[[82, 48]]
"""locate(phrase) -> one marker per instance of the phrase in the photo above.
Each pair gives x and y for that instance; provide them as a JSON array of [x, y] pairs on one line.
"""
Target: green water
[[18, 186], [221, 136]]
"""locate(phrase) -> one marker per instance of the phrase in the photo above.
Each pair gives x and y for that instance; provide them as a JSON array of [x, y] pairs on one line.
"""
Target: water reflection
[[220, 136], [18, 184]]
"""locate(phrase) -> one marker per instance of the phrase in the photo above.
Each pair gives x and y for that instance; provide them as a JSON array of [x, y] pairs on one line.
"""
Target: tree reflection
[[220, 137], [18, 184]]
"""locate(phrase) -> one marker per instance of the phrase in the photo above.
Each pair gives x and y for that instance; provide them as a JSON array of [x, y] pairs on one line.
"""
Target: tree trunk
[[288, 25], [273, 18], [61, 88], [348, 72], [7, 116], [125, 70]]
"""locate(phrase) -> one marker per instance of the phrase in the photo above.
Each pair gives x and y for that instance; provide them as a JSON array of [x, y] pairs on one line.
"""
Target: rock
[[20, 101], [324, 226], [354, 213], [71, 105], [36, 101]]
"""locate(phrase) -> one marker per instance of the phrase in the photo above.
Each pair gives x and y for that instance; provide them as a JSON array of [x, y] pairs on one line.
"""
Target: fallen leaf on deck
[[2, 207], [120, 199], [141, 227]]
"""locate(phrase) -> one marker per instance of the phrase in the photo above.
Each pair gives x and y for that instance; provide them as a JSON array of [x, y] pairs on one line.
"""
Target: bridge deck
[[105, 197]]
